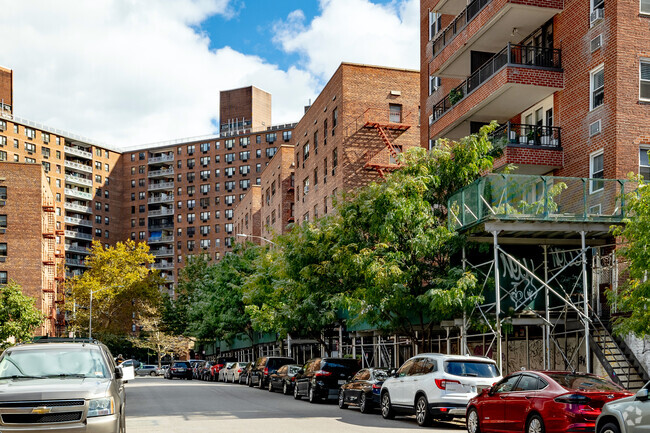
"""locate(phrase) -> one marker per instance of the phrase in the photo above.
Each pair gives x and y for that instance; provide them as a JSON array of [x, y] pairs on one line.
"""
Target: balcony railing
[[77, 166], [78, 235], [161, 199], [163, 252], [78, 207], [79, 194], [457, 25], [161, 158], [528, 135], [523, 198], [78, 221], [163, 172], [77, 152], [75, 262], [161, 226], [161, 239], [163, 265], [161, 212], [78, 180], [161, 185], [77, 249], [512, 55]]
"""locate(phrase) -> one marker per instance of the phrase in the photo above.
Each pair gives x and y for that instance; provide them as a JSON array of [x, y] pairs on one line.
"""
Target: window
[[190, 163], [205, 174], [205, 243], [258, 168], [30, 148], [3, 155], [205, 188], [140, 169], [229, 143], [597, 87], [191, 190], [230, 199], [46, 166], [596, 171], [230, 157], [435, 23], [244, 169], [217, 172], [45, 152], [644, 76], [205, 160], [271, 138], [228, 214], [190, 149], [335, 161], [271, 151], [3, 277], [305, 217], [132, 170], [191, 177], [645, 7], [30, 133], [191, 217], [305, 152], [229, 228], [434, 83], [141, 208], [395, 113], [245, 156], [286, 135], [258, 153], [305, 186], [644, 164], [205, 216], [230, 185], [190, 245], [3, 221], [191, 204], [245, 184], [273, 216], [244, 141], [205, 147], [30, 160], [335, 118], [3, 193]]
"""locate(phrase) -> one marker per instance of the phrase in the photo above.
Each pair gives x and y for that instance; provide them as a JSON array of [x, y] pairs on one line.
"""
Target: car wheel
[[250, 382], [312, 395], [285, 388], [364, 406], [535, 425], [296, 394], [153, 373], [473, 422], [386, 408], [342, 404], [610, 427], [422, 414], [270, 386], [260, 383]]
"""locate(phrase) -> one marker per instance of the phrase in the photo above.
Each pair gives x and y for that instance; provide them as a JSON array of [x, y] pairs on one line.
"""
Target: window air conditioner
[[596, 15]]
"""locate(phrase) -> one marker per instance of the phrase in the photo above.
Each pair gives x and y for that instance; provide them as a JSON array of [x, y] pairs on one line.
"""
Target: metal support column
[[463, 329], [585, 293], [497, 293], [547, 314]]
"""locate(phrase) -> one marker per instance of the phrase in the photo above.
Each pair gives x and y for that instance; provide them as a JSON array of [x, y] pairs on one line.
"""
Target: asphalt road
[[158, 405]]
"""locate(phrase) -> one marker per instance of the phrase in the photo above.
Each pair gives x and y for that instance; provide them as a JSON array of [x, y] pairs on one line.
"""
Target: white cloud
[[131, 71], [138, 71], [356, 31]]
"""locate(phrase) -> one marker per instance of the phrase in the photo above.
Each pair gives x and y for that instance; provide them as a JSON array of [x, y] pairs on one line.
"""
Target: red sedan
[[542, 402]]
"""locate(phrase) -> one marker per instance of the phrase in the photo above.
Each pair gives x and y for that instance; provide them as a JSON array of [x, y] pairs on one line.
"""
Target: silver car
[[627, 415], [67, 387]]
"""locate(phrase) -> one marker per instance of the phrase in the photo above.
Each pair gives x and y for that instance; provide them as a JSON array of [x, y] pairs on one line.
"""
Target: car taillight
[[573, 399], [266, 371], [293, 379], [442, 383], [375, 386], [239, 371], [322, 373]]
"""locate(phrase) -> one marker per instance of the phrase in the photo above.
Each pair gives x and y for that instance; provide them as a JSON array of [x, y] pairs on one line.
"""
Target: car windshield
[[181, 365], [275, 363], [380, 375], [43, 363], [471, 368], [341, 365], [581, 382], [294, 369]]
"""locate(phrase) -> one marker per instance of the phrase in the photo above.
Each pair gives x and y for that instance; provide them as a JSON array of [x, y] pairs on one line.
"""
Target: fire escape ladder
[[386, 141]]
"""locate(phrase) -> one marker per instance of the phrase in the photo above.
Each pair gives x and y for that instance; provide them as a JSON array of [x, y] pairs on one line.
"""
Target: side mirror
[[642, 394], [118, 373], [393, 373]]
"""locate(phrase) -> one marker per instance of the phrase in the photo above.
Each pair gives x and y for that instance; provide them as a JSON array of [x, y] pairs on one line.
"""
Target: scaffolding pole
[[547, 327], [585, 292], [497, 293]]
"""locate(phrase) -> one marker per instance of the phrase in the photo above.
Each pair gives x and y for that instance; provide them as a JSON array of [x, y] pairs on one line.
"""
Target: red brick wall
[[6, 87], [280, 170]]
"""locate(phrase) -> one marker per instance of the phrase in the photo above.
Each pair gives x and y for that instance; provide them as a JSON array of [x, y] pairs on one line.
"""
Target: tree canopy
[[18, 315]]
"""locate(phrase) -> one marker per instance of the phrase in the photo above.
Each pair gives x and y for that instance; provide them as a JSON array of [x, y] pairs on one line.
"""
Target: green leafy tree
[[122, 286], [633, 298], [18, 315], [152, 337]]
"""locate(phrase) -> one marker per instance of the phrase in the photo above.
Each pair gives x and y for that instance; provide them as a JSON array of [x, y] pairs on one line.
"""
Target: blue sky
[[131, 72]]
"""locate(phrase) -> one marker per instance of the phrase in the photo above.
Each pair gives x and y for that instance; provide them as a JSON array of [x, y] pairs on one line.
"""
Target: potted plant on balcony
[[455, 95]]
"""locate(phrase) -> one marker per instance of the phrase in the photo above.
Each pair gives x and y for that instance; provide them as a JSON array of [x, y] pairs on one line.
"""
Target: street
[[158, 405]]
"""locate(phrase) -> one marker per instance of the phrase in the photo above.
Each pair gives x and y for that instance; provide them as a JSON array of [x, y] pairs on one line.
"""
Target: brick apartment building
[[568, 80], [248, 220], [278, 189]]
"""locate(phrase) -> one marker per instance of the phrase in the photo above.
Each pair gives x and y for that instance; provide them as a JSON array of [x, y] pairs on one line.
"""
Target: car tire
[[364, 405], [342, 404], [260, 383], [153, 373], [387, 411], [422, 412], [296, 394], [473, 421], [535, 424], [285, 388], [610, 427], [311, 394], [250, 382], [270, 386]]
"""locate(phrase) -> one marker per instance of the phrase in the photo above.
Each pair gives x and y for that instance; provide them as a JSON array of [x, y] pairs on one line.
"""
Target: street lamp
[[242, 235]]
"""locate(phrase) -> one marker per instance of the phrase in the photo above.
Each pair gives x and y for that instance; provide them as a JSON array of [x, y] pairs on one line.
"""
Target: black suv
[[264, 367], [321, 378], [180, 369]]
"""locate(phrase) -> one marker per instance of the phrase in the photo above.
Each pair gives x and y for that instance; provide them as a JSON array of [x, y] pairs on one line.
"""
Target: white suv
[[432, 385]]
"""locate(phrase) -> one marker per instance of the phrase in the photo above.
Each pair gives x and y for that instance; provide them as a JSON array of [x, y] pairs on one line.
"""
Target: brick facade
[[6, 89], [248, 220], [277, 194]]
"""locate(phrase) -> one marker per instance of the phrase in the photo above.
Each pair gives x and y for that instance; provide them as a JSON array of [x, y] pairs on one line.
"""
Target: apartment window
[[191, 217], [228, 214], [230, 199], [30, 133], [315, 177], [227, 242], [229, 227], [98, 233], [16, 158], [434, 84], [106, 220], [133, 183], [205, 188], [230, 157], [205, 243], [258, 181], [3, 277], [435, 23], [191, 204], [191, 190], [205, 160], [133, 157], [271, 151], [3, 221], [335, 161], [16, 144], [271, 138], [245, 156], [205, 216], [644, 76], [179, 218], [141, 182], [141, 222], [3, 193], [141, 169], [3, 125], [46, 166], [179, 164], [305, 186], [205, 174], [305, 152], [30, 148], [645, 7], [644, 163], [141, 195], [141, 208], [596, 171], [335, 118], [30, 160], [132, 170], [258, 168], [3, 155], [98, 178], [597, 87], [45, 152], [286, 135], [205, 147], [190, 163], [229, 143], [204, 230], [325, 205], [105, 193], [305, 217], [244, 141], [190, 245], [273, 216], [98, 165], [191, 177], [3, 141], [315, 211], [217, 159], [3, 249], [258, 153], [230, 185], [395, 113], [190, 149], [217, 172]]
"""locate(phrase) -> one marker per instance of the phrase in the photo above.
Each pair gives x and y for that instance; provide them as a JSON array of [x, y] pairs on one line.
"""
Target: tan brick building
[[342, 140], [570, 81]]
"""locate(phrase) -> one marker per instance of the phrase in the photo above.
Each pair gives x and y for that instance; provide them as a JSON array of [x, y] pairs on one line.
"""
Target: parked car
[[364, 390], [131, 363], [626, 415], [196, 369], [234, 372], [321, 378], [218, 365], [204, 373], [61, 386], [542, 401], [264, 367], [244, 375], [435, 386], [224, 371], [180, 369], [147, 370], [284, 378]]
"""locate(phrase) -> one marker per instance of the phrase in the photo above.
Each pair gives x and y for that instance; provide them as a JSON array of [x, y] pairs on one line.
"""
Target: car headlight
[[101, 407]]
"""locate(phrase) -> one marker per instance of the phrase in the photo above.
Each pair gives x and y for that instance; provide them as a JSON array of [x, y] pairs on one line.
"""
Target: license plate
[[341, 382], [180, 369], [454, 387]]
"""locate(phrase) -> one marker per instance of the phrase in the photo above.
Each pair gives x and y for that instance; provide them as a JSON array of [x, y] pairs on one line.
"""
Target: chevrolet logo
[[42, 410]]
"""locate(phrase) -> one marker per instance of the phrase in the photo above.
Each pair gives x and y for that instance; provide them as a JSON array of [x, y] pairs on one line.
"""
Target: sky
[[131, 72]]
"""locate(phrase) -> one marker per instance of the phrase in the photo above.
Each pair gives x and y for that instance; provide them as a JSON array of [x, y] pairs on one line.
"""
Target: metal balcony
[[77, 207], [161, 158], [161, 185], [78, 235], [161, 212], [77, 249], [161, 173], [165, 226], [71, 192], [78, 221], [77, 180], [163, 265], [161, 199], [76, 166], [161, 240], [77, 152], [160, 252], [75, 262]]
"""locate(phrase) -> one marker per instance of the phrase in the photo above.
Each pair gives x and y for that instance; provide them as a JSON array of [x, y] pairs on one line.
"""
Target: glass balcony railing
[[513, 55], [531, 198]]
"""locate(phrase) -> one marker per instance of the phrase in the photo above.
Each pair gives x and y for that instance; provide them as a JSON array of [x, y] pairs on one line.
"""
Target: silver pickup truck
[[61, 387]]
